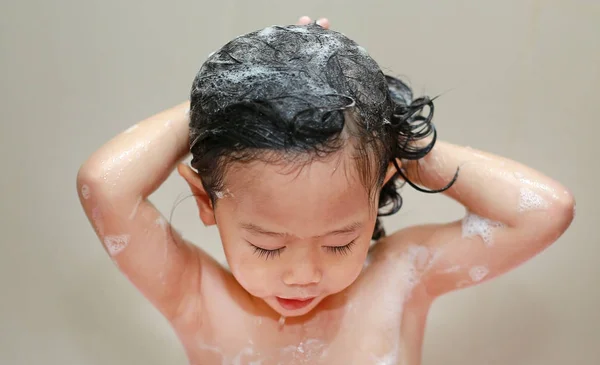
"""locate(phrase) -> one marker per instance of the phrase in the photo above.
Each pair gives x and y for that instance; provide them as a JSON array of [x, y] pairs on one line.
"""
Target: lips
[[294, 304]]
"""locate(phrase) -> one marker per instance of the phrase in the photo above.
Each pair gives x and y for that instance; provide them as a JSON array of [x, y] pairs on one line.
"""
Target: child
[[298, 143]]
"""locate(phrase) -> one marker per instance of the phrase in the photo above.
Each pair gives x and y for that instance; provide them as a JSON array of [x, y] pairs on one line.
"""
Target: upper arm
[[475, 249], [143, 245]]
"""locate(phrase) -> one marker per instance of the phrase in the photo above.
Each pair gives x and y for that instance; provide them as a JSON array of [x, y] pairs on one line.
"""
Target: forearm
[[137, 161], [490, 186]]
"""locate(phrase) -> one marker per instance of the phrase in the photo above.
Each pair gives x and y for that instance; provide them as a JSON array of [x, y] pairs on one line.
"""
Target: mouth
[[294, 303]]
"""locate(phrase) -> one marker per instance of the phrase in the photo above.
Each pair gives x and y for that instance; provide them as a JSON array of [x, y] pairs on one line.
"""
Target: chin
[[275, 304]]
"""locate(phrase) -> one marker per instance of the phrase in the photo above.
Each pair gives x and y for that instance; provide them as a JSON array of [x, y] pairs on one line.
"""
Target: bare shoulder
[[217, 294], [401, 243]]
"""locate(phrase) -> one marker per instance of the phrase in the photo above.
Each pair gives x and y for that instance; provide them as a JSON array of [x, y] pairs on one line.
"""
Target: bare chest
[[365, 326]]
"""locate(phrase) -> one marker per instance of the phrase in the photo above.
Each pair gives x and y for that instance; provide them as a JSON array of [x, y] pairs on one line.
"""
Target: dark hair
[[298, 93]]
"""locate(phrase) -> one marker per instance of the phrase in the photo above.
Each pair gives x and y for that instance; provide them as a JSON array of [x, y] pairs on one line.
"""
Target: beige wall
[[519, 78]]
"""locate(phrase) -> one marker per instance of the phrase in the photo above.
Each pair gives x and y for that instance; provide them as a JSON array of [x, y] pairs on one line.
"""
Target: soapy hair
[[295, 94]]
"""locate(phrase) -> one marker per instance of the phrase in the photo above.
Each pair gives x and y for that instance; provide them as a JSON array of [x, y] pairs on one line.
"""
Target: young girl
[[298, 143]]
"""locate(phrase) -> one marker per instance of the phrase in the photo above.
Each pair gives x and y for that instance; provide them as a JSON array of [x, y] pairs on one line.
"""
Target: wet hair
[[300, 93]]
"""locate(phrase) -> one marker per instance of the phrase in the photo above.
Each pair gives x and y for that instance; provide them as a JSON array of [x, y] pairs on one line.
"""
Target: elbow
[[558, 217], [85, 179], [545, 226], [564, 209], [89, 178]]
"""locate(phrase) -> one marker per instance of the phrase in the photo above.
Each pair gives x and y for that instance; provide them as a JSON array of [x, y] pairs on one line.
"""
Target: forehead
[[301, 199]]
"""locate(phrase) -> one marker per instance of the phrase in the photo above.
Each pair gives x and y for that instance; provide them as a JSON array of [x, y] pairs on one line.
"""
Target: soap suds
[[529, 200], [306, 352], [362, 50], [266, 32], [421, 257], [225, 194], [116, 244], [474, 225], [298, 29], [391, 358], [85, 192], [478, 273]]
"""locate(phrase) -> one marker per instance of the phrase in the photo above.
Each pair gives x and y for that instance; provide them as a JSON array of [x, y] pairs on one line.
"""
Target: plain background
[[517, 78]]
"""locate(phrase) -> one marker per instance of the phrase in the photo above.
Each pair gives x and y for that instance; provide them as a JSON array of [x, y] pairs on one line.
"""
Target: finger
[[323, 22], [304, 20]]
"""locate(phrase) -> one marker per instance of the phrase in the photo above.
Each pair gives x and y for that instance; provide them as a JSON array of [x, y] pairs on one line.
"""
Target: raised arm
[[513, 213], [114, 185]]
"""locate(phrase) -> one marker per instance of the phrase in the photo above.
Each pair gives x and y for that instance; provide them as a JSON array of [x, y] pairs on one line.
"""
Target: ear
[[391, 171], [205, 207]]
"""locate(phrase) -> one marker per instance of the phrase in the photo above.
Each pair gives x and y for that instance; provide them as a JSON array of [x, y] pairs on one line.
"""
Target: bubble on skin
[[85, 192], [221, 195], [420, 259], [474, 225], [135, 208], [478, 273], [529, 200], [116, 244], [307, 350], [281, 321], [391, 358], [421, 256]]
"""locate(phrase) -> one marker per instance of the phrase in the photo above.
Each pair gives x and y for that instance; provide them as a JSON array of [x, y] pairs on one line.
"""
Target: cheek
[[345, 271], [259, 282], [256, 277]]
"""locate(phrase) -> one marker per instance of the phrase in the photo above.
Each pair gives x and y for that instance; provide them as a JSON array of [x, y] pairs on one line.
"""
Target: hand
[[323, 22]]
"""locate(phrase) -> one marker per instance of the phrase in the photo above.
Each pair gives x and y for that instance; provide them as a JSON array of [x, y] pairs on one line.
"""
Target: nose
[[303, 273]]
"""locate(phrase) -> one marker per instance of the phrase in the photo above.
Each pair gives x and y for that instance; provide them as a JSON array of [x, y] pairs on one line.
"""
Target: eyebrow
[[343, 230]]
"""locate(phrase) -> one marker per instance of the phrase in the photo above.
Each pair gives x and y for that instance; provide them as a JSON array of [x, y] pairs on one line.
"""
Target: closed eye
[[342, 250], [267, 254]]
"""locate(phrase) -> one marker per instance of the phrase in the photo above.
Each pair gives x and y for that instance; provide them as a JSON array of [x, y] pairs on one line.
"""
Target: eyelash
[[269, 254]]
